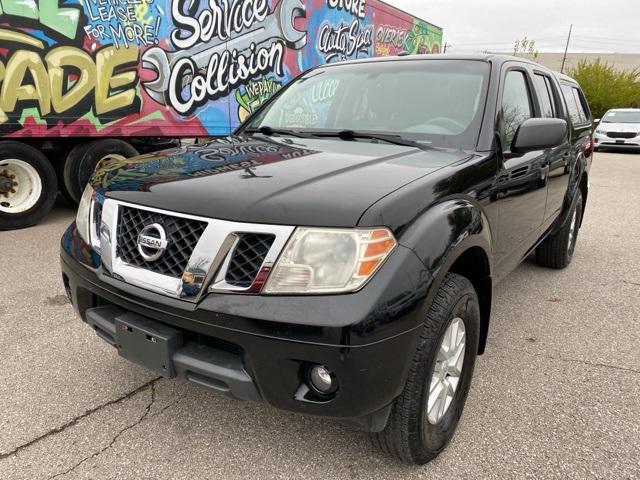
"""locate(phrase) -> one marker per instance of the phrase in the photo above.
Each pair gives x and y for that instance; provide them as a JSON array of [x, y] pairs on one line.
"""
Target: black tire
[[409, 435], [83, 158], [58, 165], [556, 251], [10, 150]]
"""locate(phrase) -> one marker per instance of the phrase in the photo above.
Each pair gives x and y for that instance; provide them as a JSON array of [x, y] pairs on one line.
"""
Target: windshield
[[622, 117], [438, 102]]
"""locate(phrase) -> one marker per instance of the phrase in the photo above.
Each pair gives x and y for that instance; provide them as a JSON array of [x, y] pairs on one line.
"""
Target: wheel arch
[[473, 264], [584, 189], [455, 236]]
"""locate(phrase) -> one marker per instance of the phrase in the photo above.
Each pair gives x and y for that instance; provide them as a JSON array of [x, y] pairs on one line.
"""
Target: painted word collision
[[212, 73]]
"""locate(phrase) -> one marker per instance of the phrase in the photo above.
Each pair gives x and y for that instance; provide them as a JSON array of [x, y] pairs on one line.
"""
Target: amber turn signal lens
[[379, 245]]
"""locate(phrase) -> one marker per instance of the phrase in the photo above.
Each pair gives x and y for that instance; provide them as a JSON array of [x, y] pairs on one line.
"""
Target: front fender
[[445, 231], [441, 236]]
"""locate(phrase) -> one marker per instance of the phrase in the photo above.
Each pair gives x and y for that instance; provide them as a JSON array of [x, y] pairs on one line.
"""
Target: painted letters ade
[[176, 67]]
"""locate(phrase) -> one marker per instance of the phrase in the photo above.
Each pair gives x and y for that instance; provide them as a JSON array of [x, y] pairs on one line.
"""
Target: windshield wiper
[[350, 135], [270, 131]]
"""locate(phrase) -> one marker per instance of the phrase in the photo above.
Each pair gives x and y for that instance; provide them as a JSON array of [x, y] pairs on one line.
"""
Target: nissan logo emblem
[[152, 242]]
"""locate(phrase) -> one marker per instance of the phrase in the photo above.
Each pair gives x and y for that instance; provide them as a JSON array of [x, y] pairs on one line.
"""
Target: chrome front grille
[[200, 254], [247, 258], [183, 234]]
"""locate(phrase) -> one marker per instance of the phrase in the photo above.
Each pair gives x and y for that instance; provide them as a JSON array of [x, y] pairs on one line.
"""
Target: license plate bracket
[[147, 343], [620, 140]]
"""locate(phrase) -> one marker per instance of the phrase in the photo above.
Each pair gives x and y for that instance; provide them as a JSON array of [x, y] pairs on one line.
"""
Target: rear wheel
[[424, 417], [28, 185], [83, 159], [556, 251]]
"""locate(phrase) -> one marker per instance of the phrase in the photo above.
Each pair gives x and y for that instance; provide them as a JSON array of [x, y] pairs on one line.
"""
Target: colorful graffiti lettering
[[60, 81], [122, 22], [176, 67], [420, 38], [345, 41], [355, 7], [254, 94]]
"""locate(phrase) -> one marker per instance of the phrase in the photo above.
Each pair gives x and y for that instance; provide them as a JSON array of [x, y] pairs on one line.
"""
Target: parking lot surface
[[557, 394]]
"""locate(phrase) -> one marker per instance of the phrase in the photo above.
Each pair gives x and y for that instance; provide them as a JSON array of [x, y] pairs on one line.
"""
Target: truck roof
[[482, 57]]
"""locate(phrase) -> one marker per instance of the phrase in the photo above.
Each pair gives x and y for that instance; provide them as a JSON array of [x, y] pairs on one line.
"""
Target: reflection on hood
[[193, 161]]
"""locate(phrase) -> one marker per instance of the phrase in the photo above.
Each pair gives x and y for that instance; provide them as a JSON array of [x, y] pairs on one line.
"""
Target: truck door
[[521, 189], [560, 156]]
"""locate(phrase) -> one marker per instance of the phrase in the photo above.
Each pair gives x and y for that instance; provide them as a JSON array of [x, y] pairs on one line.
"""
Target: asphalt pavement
[[557, 394]]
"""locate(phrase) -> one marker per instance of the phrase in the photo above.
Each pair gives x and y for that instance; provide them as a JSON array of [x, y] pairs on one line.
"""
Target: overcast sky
[[472, 25]]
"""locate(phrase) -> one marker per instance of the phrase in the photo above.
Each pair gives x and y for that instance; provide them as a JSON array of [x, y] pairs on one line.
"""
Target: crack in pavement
[[75, 420], [564, 359], [144, 415]]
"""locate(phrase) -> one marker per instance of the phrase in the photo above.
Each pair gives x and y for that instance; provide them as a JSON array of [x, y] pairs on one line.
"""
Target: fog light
[[322, 380]]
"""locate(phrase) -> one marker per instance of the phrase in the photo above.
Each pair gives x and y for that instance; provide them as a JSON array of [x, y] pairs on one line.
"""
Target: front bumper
[[252, 348], [605, 142]]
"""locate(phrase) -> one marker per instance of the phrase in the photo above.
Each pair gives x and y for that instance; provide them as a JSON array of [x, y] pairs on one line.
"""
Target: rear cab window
[[577, 105], [548, 96]]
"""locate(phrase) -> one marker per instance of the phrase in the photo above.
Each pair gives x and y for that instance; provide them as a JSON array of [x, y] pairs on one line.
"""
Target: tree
[[525, 48], [605, 87]]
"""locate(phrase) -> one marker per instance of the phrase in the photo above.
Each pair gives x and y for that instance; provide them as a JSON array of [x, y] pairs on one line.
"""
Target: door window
[[575, 104], [516, 105], [582, 110], [545, 93]]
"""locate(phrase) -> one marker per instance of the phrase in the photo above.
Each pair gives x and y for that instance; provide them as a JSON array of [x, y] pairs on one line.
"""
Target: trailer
[[85, 81]]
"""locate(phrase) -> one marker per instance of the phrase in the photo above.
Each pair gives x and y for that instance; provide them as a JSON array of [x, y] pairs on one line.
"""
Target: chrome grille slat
[[206, 252]]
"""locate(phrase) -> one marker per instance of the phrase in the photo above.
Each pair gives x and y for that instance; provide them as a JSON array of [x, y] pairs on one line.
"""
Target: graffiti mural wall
[[176, 67]]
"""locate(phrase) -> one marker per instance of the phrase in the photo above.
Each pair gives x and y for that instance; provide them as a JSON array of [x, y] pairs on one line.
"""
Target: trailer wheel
[[83, 158], [57, 159], [28, 185]]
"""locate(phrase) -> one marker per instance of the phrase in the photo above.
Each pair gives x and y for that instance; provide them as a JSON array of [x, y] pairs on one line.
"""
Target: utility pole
[[564, 58], [445, 47]]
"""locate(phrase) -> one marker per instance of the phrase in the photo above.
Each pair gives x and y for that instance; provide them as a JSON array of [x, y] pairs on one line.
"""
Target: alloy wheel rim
[[447, 371], [26, 186]]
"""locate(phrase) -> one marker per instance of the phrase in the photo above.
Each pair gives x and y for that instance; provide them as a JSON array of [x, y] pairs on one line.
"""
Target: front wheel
[[424, 417]]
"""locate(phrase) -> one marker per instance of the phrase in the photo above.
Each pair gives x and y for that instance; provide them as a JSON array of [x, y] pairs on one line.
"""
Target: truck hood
[[314, 182]]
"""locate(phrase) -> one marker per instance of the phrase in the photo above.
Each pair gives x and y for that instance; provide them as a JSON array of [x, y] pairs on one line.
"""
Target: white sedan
[[618, 129]]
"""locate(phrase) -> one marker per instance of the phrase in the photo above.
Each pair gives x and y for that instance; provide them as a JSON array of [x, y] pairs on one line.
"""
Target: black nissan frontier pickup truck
[[336, 256]]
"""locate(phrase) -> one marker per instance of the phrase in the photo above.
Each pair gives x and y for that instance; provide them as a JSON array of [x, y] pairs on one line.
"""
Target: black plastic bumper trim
[[209, 367]]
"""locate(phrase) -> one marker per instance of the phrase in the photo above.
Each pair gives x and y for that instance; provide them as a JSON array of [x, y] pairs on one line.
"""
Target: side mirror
[[539, 134]]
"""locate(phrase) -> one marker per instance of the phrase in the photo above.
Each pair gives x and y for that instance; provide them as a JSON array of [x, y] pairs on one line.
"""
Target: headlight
[[88, 218], [328, 260], [601, 132]]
